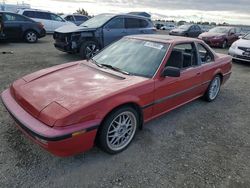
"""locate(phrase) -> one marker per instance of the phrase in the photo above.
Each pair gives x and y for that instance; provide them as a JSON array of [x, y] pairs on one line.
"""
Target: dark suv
[[100, 31]]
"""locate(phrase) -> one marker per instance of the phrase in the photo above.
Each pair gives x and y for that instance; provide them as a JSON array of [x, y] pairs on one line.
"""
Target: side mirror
[[171, 72], [231, 33], [240, 37]]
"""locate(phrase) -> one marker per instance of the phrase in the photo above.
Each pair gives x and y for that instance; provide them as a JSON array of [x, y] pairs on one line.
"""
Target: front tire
[[31, 37], [224, 44], [118, 130], [213, 89], [88, 49]]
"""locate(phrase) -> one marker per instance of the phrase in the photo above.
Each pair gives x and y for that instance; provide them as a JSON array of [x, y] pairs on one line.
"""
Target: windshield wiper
[[115, 68], [97, 64]]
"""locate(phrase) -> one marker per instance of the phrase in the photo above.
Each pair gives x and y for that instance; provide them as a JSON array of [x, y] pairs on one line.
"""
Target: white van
[[50, 20]]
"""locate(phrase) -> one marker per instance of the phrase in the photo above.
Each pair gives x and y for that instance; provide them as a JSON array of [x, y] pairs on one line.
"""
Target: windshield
[[97, 21], [219, 30], [247, 37], [136, 57], [184, 27]]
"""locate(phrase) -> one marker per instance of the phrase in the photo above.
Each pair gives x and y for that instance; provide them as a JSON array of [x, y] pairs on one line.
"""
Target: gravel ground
[[198, 145]]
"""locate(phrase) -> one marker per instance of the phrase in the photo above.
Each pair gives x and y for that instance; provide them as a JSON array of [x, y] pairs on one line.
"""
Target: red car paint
[[217, 39], [61, 108]]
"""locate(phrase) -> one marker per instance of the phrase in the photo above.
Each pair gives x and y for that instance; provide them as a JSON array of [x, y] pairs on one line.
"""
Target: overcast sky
[[232, 11]]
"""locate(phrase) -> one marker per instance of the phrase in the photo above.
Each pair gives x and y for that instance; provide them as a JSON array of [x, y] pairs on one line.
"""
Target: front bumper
[[42, 33], [213, 42], [237, 54], [64, 141], [64, 47]]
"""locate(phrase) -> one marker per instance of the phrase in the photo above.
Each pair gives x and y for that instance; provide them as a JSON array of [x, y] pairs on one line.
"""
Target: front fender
[[117, 102]]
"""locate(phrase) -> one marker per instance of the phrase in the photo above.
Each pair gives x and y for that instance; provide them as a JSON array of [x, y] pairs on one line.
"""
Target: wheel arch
[[134, 105], [27, 30], [90, 38]]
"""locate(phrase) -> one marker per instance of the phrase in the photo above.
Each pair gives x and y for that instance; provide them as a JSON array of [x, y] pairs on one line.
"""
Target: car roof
[[30, 9], [126, 15], [163, 38], [2, 11], [74, 14]]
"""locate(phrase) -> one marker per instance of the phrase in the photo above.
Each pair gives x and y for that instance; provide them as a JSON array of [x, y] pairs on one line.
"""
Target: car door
[[198, 31], [113, 30], [171, 92], [56, 21], [208, 65], [192, 31], [12, 26], [232, 37]]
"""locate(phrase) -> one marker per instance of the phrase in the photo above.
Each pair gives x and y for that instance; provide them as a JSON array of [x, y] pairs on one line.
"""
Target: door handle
[[198, 74]]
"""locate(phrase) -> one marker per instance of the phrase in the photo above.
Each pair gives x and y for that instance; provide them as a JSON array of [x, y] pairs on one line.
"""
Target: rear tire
[[88, 49], [213, 89], [118, 130], [31, 36]]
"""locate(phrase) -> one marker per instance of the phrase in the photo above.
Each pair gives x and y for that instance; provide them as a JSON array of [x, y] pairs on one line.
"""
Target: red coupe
[[68, 108]]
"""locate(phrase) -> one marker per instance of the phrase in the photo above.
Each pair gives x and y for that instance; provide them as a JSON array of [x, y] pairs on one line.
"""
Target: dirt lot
[[198, 145]]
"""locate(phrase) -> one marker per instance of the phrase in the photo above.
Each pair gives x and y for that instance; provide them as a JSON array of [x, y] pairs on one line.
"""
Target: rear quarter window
[[143, 23], [30, 14], [81, 18], [132, 23], [14, 17], [42, 15]]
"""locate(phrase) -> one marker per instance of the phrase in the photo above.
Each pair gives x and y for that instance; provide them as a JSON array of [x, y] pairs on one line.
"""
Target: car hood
[[57, 92], [210, 35], [73, 28], [243, 43]]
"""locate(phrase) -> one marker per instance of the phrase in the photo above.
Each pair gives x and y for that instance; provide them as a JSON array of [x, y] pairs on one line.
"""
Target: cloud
[[232, 11], [202, 5]]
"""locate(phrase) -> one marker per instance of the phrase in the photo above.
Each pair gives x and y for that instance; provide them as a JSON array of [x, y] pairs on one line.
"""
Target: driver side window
[[117, 23], [183, 56], [205, 55]]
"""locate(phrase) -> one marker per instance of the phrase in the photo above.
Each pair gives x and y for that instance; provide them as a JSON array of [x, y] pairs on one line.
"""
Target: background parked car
[[16, 26], [240, 50], [50, 20], [100, 31], [158, 26], [1, 26], [220, 36], [77, 19], [168, 27], [187, 31]]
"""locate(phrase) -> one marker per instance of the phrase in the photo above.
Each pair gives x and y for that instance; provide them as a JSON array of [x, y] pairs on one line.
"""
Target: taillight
[[40, 25]]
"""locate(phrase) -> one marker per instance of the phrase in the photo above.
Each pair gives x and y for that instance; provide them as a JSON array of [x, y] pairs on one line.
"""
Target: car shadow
[[245, 63]]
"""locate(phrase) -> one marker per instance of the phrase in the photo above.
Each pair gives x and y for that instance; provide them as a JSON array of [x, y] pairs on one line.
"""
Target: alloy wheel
[[91, 50], [121, 131], [31, 37], [214, 88]]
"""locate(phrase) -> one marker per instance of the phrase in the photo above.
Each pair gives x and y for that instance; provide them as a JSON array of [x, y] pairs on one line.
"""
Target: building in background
[[13, 7]]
